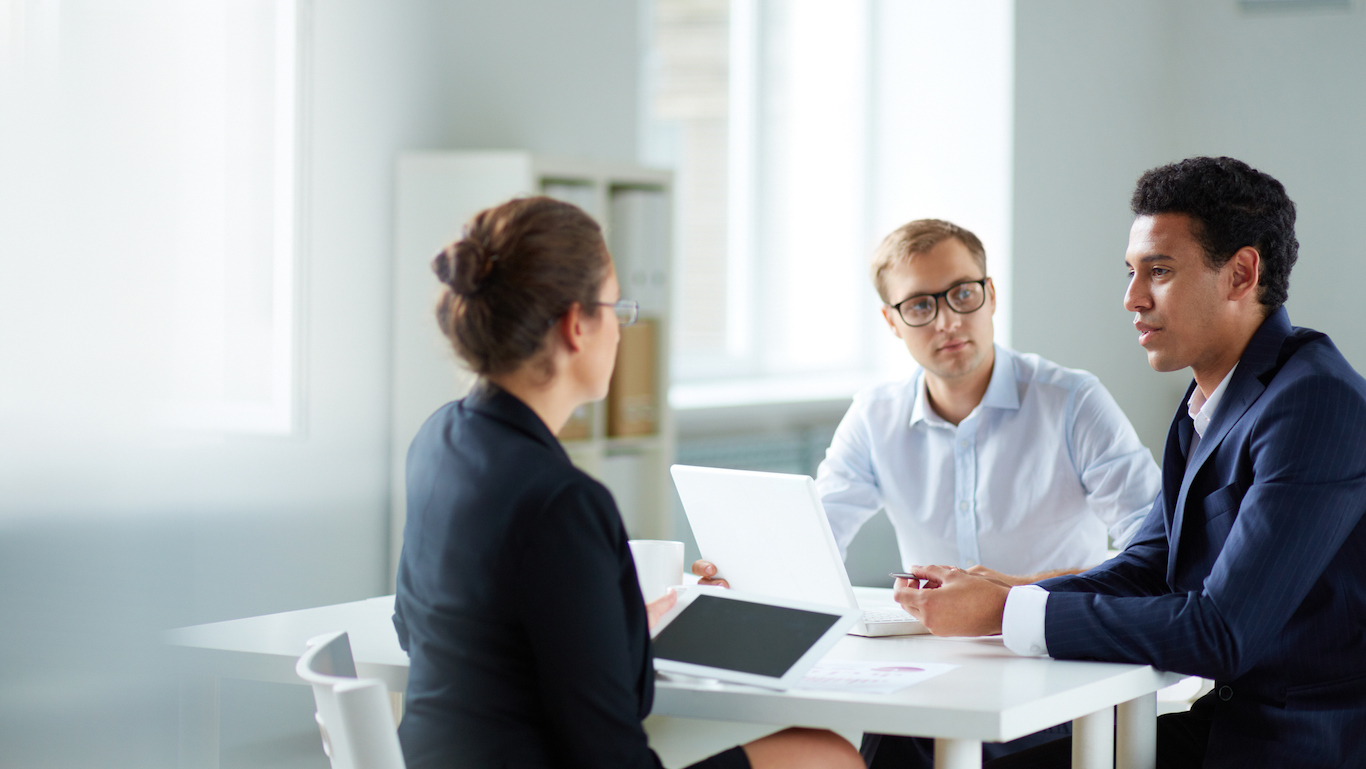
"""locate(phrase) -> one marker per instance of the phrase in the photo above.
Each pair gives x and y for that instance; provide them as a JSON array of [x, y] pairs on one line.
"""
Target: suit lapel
[[1241, 393], [1243, 390]]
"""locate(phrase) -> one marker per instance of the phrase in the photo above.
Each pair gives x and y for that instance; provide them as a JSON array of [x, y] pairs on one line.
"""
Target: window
[[235, 154], [803, 131], [149, 171]]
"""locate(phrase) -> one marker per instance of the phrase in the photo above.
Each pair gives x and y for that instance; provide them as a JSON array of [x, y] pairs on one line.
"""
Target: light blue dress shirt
[[1022, 623], [1031, 480]]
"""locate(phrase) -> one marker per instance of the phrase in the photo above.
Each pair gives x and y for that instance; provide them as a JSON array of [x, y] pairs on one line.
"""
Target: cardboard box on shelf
[[632, 400]]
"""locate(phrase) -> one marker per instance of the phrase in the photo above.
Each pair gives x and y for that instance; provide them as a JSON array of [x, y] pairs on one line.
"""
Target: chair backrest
[[354, 714]]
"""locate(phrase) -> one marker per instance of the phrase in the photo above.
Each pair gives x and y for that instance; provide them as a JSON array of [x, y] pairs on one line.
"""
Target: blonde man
[[994, 461]]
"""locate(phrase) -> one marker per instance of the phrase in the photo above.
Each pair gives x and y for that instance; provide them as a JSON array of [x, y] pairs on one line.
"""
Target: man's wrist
[[1001, 613], [1022, 621]]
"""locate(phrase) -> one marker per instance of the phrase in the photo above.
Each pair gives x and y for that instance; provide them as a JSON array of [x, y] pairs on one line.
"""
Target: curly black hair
[[1234, 205]]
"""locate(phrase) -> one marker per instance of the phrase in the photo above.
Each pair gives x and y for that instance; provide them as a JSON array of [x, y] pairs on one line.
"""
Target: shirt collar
[[1201, 409], [920, 408], [1002, 392]]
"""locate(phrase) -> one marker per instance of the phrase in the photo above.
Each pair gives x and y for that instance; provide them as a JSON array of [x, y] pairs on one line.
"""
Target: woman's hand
[[659, 607], [707, 571]]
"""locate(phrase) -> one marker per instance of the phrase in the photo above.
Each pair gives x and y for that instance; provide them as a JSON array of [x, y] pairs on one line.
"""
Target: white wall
[[1105, 91], [113, 530], [298, 519], [384, 76], [103, 521], [1286, 92], [552, 77]]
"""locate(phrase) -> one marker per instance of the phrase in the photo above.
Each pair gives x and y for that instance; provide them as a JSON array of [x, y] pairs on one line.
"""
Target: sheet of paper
[[870, 677]]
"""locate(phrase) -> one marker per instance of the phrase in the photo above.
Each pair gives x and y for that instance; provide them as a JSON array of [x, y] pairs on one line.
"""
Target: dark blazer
[[1251, 567], [517, 601]]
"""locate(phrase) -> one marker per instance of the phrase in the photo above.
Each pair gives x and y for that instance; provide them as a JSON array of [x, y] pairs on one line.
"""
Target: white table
[[992, 696]]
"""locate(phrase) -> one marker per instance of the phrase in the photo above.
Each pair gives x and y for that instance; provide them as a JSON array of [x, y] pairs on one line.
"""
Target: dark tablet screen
[[742, 636]]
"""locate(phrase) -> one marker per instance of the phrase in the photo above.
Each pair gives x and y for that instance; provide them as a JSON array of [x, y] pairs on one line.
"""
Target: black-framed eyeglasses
[[962, 298], [626, 310]]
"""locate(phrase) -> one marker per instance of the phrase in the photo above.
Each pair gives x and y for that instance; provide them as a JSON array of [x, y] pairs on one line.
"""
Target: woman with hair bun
[[517, 600]]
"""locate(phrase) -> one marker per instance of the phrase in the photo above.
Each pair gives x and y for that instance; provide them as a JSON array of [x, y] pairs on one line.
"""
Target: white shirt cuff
[[1022, 623]]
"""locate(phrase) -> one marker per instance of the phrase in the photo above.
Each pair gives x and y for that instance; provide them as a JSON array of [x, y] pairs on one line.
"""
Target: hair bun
[[443, 264], [464, 266], [517, 268]]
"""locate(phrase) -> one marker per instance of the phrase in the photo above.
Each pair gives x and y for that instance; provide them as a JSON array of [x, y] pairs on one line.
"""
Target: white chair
[[354, 714]]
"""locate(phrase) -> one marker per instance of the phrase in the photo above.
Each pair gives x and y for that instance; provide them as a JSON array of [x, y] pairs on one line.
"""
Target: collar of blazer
[[1265, 354], [494, 402]]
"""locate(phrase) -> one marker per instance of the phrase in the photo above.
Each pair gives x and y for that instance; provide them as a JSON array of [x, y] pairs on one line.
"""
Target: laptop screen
[[766, 532], [743, 636]]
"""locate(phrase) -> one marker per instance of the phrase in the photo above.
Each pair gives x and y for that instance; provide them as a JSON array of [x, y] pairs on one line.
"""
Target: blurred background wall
[[110, 532], [1105, 91], [110, 529]]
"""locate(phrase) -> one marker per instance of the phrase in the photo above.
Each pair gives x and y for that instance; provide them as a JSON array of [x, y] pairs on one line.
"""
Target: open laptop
[[767, 533]]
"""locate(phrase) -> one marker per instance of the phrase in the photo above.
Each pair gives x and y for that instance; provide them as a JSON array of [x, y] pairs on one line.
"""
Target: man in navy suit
[[1251, 567]]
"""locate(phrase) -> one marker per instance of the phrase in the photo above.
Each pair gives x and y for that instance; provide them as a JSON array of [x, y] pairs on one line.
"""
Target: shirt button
[[1225, 693], [964, 444], [962, 505]]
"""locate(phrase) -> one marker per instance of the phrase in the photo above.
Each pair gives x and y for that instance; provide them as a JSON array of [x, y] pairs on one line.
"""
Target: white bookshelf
[[437, 192]]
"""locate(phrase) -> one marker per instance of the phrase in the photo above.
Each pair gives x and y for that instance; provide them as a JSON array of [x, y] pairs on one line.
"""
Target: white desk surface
[[993, 696], [265, 648]]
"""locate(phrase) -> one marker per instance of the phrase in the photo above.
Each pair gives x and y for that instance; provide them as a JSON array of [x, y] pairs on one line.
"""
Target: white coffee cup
[[659, 565]]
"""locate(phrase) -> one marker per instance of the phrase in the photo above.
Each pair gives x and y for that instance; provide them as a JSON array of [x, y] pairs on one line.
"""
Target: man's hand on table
[[953, 602], [707, 571]]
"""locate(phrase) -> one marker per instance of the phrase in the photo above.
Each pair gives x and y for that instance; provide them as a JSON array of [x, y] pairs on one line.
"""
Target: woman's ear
[[570, 328]]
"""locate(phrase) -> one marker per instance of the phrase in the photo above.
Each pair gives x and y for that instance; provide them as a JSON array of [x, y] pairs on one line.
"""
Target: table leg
[[957, 754], [1093, 740], [198, 722], [1136, 733]]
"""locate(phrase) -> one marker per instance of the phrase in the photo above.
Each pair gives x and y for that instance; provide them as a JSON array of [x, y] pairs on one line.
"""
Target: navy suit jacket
[[514, 662], [1251, 567]]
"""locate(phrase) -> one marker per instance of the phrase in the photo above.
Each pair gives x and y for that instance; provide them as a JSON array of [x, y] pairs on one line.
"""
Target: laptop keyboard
[[887, 615]]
